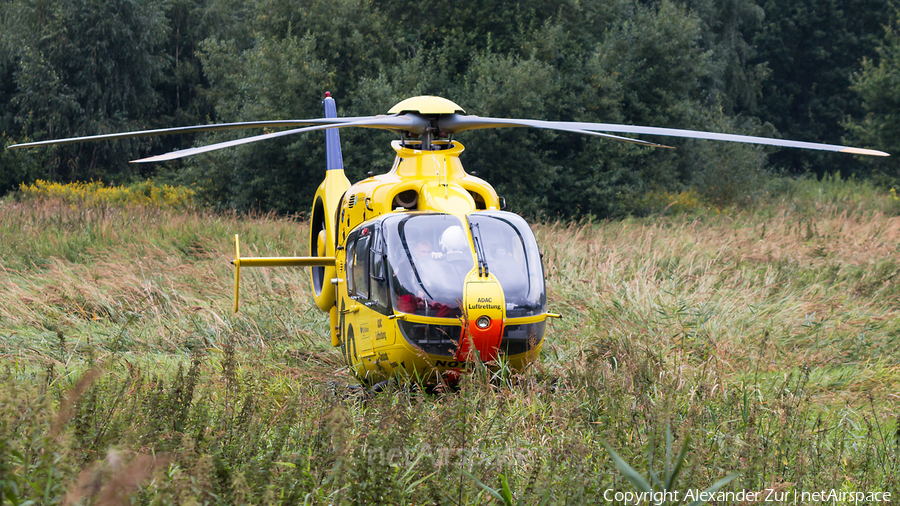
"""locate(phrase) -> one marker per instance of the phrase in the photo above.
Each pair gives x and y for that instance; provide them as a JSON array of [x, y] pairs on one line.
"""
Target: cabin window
[[350, 260]]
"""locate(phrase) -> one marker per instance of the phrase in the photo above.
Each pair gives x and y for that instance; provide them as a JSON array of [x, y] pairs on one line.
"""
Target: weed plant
[[767, 337], [96, 194]]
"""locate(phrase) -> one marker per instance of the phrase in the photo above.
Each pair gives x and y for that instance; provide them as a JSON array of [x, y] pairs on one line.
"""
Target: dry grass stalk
[[111, 481], [66, 407]]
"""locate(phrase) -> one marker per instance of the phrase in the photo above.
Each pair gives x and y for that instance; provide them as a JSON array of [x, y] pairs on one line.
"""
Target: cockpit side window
[[361, 264], [378, 278], [351, 263], [367, 278]]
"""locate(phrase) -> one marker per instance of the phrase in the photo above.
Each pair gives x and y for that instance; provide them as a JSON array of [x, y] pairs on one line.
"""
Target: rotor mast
[[429, 108]]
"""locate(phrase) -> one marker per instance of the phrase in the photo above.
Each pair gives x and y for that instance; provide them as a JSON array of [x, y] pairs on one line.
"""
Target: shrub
[[96, 193]]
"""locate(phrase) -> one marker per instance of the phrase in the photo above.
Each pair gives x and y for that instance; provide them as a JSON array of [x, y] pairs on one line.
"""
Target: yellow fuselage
[[420, 271], [372, 335]]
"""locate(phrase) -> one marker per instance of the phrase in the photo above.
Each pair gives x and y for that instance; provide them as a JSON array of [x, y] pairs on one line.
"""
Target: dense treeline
[[819, 70]]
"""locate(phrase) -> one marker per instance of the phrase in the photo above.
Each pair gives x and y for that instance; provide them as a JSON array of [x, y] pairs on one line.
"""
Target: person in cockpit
[[455, 245], [433, 267]]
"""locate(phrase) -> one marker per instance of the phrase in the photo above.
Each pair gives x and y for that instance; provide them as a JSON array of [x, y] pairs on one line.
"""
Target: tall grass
[[765, 336]]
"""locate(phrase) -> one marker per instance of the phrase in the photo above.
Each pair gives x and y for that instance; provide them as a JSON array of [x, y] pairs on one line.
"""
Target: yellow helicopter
[[420, 269]]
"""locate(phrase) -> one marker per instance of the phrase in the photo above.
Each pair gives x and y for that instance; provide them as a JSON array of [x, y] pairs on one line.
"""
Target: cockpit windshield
[[429, 257], [511, 254]]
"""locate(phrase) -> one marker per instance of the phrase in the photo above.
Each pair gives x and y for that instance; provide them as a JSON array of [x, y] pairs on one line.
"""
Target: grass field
[[762, 341]]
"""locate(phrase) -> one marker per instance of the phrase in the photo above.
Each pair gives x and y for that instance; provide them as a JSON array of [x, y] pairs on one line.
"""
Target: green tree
[[296, 55], [613, 61], [520, 163], [681, 64], [878, 85], [812, 48], [83, 68], [734, 82], [660, 71], [15, 166]]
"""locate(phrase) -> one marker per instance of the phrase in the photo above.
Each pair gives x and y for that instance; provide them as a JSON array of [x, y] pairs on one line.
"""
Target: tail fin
[[323, 221], [333, 158]]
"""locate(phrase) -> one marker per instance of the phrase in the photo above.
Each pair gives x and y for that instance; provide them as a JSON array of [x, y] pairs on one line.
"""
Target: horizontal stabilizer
[[285, 262]]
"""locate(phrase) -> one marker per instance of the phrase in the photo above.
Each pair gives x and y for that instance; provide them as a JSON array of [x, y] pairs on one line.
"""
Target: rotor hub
[[427, 105]]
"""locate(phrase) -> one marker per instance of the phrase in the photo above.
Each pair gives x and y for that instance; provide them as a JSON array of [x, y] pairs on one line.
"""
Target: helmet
[[454, 239]]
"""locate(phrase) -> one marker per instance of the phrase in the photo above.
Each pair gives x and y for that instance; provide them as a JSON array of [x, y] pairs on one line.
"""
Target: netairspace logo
[[440, 456], [835, 497]]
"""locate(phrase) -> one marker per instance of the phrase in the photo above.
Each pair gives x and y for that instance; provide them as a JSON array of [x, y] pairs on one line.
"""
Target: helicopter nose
[[485, 334], [484, 313]]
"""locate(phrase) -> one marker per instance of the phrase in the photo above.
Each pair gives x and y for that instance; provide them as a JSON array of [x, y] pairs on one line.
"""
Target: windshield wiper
[[479, 249]]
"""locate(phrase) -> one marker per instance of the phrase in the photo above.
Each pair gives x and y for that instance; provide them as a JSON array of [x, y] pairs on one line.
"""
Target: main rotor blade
[[454, 123], [458, 123], [194, 129], [409, 123], [613, 137]]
